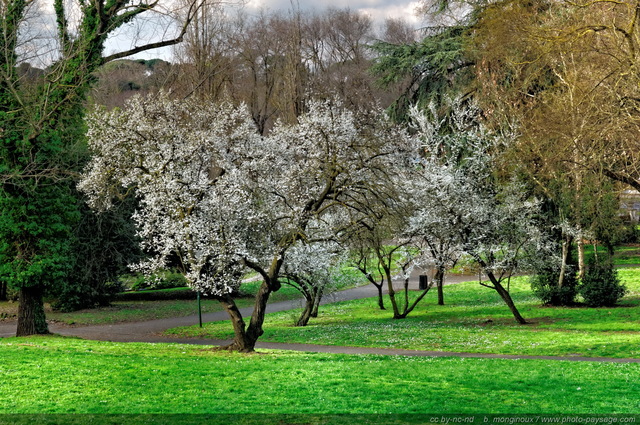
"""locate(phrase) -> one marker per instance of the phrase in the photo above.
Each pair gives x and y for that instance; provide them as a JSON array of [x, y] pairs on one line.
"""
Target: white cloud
[[406, 11]]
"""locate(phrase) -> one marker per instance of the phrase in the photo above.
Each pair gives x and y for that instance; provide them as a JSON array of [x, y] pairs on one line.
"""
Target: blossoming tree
[[466, 209], [222, 198]]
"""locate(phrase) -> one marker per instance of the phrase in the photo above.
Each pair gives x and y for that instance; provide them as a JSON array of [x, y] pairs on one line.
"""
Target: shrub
[[544, 284], [103, 245], [601, 285], [157, 295], [164, 280], [169, 294], [75, 297]]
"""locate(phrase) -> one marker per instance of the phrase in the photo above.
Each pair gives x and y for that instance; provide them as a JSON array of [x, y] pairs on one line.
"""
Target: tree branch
[[194, 7]]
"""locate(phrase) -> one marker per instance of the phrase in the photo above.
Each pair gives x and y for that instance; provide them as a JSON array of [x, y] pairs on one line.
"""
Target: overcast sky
[[378, 10]]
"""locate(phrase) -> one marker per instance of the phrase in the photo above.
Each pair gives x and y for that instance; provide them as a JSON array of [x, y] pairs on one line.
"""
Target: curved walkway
[[151, 331]]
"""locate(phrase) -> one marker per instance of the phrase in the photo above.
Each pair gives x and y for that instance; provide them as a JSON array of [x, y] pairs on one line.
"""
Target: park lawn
[[624, 254], [136, 311], [48, 374], [473, 320]]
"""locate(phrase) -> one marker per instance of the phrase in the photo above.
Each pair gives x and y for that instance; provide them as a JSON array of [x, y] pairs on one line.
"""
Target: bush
[[74, 297], [601, 285], [628, 233], [164, 280], [544, 284], [103, 245], [157, 295]]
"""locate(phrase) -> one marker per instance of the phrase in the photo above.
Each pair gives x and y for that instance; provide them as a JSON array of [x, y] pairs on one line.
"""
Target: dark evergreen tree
[[40, 132]]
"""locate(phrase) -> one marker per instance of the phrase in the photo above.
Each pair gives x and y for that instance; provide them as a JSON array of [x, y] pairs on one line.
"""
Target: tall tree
[[565, 73], [42, 127]]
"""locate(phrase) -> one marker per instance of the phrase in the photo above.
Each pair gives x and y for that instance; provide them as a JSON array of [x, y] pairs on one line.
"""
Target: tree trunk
[[316, 302], [254, 331], [240, 342], [439, 278], [581, 262], [409, 308], [506, 297], [245, 338], [380, 297], [31, 317], [392, 295], [3, 291], [566, 243], [303, 320]]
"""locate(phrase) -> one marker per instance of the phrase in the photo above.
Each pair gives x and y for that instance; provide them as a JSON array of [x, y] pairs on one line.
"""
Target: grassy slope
[[58, 375], [474, 320]]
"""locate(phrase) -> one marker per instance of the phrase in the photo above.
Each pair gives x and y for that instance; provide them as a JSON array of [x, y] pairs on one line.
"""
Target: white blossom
[[219, 196]]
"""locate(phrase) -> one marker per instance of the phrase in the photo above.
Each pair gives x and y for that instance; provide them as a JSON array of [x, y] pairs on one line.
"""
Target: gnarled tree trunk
[[303, 320], [245, 338]]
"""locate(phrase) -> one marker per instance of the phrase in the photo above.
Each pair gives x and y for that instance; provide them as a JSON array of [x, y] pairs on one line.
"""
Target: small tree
[[380, 248], [363, 260], [314, 269], [544, 284], [493, 222], [600, 286]]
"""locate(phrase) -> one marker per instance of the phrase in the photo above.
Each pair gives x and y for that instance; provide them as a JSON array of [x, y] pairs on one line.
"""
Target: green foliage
[[628, 233], [72, 296], [544, 284], [601, 286], [36, 233], [163, 280], [434, 68], [104, 244]]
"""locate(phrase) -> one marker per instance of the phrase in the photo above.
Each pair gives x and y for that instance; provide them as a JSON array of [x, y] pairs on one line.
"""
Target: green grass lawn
[[624, 254], [65, 375], [474, 319]]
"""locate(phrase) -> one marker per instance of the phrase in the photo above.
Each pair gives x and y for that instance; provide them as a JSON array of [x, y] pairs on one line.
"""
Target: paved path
[[151, 331]]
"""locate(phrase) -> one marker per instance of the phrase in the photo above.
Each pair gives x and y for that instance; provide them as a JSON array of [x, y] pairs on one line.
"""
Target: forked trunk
[[245, 338], [31, 317], [240, 342]]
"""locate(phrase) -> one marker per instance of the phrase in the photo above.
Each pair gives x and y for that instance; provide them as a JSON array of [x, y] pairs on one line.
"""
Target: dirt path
[[151, 331]]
